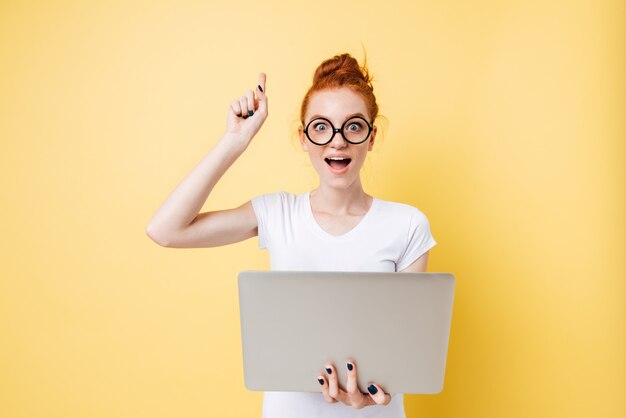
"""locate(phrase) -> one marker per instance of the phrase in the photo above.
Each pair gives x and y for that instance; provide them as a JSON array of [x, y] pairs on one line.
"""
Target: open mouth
[[338, 163]]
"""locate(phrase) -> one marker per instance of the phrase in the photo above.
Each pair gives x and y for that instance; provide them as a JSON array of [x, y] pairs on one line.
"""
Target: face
[[337, 106]]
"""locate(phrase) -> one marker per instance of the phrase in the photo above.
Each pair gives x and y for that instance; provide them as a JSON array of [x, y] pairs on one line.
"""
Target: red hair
[[343, 71]]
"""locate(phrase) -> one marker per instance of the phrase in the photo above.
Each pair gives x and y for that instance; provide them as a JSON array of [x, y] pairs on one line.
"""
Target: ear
[[372, 138], [303, 142]]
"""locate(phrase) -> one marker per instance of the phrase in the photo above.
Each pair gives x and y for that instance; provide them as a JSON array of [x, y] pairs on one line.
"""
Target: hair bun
[[342, 68]]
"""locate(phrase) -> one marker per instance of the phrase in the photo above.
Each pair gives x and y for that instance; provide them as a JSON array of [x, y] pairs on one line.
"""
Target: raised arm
[[178, 223]]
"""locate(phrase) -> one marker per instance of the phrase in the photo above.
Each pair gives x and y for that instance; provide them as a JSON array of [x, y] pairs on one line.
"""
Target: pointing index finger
[[262, 79]]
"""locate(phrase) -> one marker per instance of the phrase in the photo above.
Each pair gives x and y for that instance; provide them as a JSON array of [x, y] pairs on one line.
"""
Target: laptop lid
[[395, 326]]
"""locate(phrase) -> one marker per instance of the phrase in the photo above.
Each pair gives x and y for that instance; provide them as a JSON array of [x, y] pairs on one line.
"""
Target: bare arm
[[419, 265], [177, 222]]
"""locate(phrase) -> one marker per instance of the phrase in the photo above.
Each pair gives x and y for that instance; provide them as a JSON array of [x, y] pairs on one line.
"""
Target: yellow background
[[505, 127]]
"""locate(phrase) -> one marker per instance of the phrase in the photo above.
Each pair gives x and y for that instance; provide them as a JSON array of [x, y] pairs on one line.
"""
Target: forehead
[[336, 104]]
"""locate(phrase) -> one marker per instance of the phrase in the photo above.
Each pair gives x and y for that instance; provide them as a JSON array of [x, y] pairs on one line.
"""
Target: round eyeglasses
[[354, 130]]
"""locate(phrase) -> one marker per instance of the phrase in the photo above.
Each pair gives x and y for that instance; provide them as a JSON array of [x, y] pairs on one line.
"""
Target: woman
[[335, 227]]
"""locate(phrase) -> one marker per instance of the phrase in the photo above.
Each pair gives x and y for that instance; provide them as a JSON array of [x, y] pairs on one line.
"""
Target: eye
[[354, 126], [320, 126]]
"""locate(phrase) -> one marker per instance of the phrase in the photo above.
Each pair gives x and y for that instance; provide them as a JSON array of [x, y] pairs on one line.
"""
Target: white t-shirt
[[390, 237]]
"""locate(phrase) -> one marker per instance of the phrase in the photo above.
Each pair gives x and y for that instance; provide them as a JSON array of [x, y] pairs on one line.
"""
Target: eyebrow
[[347, 117]]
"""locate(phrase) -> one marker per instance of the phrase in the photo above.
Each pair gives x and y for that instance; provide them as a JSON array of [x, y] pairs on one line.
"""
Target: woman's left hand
[[352, 396]]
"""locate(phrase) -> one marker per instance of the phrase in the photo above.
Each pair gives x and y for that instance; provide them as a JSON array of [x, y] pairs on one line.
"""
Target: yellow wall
[[506, 127]]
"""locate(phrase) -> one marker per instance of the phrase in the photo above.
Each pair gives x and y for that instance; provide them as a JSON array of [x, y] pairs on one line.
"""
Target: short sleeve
[[269, 210], [419, 240], [261, 210]]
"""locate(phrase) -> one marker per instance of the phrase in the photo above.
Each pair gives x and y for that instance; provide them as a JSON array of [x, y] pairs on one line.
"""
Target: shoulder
[[276, 202], [275, 197], [402, 211]]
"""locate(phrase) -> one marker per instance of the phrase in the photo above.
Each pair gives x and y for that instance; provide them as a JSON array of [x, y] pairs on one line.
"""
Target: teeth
[[337, 158]]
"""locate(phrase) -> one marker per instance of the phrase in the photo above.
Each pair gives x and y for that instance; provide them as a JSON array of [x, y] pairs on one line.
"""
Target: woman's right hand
[[247, 115]]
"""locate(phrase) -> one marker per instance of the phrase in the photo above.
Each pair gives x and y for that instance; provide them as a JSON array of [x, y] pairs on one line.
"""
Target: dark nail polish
[[261, 88], [245, 116], [329, 371], [372, 389], [321, 381], [350, 366], [250, 112]]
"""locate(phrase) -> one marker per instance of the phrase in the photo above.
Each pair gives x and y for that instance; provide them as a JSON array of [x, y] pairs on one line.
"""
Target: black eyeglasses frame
[[338, 130]]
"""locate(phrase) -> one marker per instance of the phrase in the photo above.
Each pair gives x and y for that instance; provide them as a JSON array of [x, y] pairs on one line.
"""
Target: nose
[[338, 141]]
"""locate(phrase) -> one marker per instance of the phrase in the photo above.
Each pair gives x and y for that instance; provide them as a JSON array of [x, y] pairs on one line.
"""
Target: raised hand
[[352, 396], [247, 114]]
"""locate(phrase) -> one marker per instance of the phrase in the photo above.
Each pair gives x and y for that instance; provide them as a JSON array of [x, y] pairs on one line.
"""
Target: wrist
[[236, 142]]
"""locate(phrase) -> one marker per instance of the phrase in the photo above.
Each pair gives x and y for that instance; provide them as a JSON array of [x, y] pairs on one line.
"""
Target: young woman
[[335, 227]]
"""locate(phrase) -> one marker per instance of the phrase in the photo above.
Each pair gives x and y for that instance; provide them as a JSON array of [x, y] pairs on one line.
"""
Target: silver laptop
[[395, 326]]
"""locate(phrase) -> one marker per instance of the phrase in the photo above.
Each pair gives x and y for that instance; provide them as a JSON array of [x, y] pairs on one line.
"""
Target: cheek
[[315, 156], [362, 154]]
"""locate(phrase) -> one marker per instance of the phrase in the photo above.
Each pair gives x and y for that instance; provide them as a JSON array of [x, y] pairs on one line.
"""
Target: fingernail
[[321, 381], [250, 112], [329, 371], [372, 389], [245, 116], [261, 88], [349, 366]]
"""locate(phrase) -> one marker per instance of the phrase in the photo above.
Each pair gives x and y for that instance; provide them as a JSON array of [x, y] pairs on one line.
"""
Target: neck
[[340, 201]]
